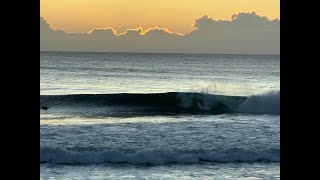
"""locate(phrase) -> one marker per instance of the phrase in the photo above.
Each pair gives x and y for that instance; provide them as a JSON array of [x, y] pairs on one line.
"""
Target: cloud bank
[[245, 33]]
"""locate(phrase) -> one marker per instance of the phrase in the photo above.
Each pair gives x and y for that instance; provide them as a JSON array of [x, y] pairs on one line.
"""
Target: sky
[[176, 15], [175, 26]]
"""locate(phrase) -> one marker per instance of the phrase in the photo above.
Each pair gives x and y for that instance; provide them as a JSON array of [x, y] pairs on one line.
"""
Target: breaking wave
[[171, 102]]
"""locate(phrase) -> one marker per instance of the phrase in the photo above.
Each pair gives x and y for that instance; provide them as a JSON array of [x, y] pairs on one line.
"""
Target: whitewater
[[159, 116]]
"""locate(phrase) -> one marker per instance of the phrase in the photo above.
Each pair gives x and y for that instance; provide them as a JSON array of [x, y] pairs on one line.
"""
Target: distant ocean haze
[[111, 73]]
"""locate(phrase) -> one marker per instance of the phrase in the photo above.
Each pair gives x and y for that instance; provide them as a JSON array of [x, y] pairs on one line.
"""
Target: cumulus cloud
[[245, 33]]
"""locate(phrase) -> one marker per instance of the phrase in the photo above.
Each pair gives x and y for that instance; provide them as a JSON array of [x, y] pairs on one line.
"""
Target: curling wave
[[171, 102]]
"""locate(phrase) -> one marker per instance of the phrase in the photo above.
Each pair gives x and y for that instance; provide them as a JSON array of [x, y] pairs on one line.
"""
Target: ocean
[[159, 116]]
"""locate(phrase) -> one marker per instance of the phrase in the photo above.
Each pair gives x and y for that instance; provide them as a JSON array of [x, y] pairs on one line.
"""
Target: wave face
[[155, 156], [174, 102]]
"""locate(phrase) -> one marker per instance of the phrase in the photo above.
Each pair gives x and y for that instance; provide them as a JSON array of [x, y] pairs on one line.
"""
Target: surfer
[[201, 102], [197, 104], [178, 100], [44, 107]]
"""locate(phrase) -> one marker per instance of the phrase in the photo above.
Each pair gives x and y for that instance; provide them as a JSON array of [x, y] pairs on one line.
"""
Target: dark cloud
[[245, 33]]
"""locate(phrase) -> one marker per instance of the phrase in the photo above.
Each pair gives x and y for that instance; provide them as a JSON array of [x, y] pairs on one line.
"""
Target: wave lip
[[60, 155]]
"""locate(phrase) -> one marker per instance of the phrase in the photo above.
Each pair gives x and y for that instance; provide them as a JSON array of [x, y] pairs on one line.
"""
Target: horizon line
[[119, 52]]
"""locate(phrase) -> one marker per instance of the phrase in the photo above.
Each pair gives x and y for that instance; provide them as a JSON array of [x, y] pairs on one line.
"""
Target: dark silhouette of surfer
[[194, 106], [201, 102], [44, 107], [178, 100]]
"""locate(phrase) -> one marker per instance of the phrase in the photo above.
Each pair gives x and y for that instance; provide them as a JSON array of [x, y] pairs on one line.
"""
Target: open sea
[[159, 116]]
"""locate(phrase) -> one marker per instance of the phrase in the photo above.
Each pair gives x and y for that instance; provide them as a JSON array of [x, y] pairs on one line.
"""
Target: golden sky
[[176, 15]]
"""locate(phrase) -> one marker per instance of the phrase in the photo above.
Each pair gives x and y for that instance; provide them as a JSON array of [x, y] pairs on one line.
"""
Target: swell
[[174, 102], [157, 100], [58, 155]]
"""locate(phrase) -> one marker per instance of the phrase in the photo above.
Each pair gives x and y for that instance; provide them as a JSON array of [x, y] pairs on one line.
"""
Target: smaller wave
[[58, 155]]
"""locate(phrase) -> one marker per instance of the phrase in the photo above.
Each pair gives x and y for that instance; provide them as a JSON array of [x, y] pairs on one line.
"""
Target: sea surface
[[159, 116]]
